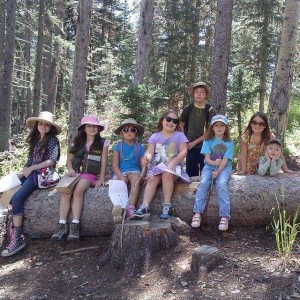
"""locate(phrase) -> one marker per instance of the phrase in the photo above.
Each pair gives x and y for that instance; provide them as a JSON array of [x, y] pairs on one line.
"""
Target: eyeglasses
[[262, 124], [169, 119], [126, 129]]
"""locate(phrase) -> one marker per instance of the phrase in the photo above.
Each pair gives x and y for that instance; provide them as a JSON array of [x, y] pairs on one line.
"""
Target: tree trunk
[[144, 41], [219, 71], [56, 59], [252, 197], [282, 81], [27, 60], [39, 61], [2, 38], [79, 82], [6, 84]]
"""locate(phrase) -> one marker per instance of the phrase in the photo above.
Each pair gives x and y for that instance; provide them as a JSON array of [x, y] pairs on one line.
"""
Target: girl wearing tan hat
[[88, 156], [127, 162], [44, 151]]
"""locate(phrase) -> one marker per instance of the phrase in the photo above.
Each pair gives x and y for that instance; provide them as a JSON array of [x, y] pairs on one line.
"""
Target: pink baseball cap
[[91, 120]]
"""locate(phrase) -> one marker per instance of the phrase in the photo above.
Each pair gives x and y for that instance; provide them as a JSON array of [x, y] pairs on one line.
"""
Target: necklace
[[121, 152]]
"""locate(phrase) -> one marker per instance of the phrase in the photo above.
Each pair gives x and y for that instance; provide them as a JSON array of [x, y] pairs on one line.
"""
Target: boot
[[16, 242]]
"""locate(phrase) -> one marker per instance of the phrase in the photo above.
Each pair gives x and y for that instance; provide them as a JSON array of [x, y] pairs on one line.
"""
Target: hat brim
[[140, 128], [101, 127], [191, 90], [30, 123]]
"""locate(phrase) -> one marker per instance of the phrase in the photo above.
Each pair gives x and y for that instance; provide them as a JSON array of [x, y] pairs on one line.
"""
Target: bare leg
[[64, 207], [77, 203], [168, 186], [17, 221], [133, 177], [150, 190]]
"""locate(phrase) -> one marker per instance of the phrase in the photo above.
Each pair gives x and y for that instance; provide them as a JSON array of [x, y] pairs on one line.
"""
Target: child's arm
[[211, 162], [275, 167], [115, 166], [71, 172], [242, 158], [197, 141], [221, 167], [264, 165], [101, 178], [285, 167], [44, 164], [179, 157], [148, 155]]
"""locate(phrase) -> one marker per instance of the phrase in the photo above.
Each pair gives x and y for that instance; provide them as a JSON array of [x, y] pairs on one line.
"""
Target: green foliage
[[285, 227]]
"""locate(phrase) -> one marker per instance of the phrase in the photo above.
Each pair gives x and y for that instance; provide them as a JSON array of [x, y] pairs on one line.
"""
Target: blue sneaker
[[142, 213], [166, 212]]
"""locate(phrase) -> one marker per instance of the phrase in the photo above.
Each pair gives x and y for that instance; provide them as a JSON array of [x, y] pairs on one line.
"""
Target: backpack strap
[[207, 110], [189, 110]]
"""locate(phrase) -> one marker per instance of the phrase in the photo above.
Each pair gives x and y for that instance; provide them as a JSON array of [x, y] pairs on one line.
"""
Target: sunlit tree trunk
[[2, 37], [38, 62], [221, 50], [144, 41], [282, 81], [79, 81], [6, 84]]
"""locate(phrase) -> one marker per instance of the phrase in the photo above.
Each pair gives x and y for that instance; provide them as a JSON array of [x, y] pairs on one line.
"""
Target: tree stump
[[204, 258], [140, 240]]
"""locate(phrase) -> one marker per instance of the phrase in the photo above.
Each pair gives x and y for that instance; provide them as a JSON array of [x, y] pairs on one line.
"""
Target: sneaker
[[117, 213], [74, 232], [16, 242], [142, 213], [61, 230], [223, 226], [130, 212], [166, 212], [196, 221]]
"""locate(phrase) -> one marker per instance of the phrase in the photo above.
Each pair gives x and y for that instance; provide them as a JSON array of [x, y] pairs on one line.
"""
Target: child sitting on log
[[165, 152], [272, 162], [88, 156], [126, 163], [218, 151]]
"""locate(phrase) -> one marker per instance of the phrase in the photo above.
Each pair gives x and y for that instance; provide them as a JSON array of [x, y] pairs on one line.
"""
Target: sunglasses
[[262, 124], [169, 119], [126, 129]]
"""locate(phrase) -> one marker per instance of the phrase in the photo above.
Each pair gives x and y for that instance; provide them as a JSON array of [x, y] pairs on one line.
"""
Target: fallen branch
[[79, 249]]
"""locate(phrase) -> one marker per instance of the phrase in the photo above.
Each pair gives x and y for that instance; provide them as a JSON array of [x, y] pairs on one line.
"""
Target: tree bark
[[282, 81], [56, 59], [252, 198], [2, 38], [6, 84], [219, 71], [79, 81], [144, 41], [39, 61]]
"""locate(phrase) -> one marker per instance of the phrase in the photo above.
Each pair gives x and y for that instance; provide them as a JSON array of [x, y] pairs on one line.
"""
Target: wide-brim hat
[[44, 116], [218, 118], [91, 120], [133, 123], [197, 84]]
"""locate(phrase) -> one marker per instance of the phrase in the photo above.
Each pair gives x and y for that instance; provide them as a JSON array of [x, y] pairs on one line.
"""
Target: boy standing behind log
[[194, 122]]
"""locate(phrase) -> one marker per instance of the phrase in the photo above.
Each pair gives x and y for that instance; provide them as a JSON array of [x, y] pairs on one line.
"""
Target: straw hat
[[197, 84], [91, 120], [44, 116], [133, 123]]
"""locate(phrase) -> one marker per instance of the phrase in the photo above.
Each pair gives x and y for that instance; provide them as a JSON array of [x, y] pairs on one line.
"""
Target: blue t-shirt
[[128, 156], [218, 149]]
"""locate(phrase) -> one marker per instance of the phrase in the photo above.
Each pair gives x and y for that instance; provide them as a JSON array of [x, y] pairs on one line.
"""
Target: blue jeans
[[17, 201], [194, 162], [222, 192]]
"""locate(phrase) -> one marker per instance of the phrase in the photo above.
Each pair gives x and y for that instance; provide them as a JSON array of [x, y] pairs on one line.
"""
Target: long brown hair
[[209, 134], [34, 136], [159, 126], [266, 134], [80, 140]]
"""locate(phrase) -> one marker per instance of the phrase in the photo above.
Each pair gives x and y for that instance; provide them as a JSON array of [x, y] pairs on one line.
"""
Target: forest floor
[[250, 269]]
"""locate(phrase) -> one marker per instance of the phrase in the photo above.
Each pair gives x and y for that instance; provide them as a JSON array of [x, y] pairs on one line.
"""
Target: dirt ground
[[249, 269]]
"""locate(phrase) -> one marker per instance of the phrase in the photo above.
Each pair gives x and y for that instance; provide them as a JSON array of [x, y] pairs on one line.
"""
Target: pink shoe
[[223, 226], [130, 212]]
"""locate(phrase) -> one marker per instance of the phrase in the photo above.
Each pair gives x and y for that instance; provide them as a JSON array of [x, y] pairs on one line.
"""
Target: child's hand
[[215, 174], [217, 161], [71, 173], [27, 171], [124, 178], [191, 145], [144, 161], [267, 156]]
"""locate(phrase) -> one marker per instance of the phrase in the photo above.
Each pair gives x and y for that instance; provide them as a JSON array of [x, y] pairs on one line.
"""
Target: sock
[[62, 221], [74, 221]]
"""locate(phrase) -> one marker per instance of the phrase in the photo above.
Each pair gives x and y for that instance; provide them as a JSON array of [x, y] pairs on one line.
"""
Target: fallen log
[[252, 198]]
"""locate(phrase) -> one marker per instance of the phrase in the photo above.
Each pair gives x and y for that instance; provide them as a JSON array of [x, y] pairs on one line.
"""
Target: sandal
[[196, 221]]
